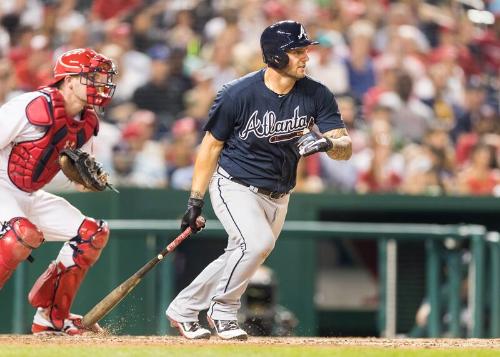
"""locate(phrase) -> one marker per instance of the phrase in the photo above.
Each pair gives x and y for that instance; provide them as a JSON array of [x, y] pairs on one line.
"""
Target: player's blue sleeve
[[221, 116], [328, 114]]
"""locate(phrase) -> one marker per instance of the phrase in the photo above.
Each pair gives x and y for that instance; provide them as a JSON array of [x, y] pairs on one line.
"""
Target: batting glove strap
[[195, 202], [312, 143]]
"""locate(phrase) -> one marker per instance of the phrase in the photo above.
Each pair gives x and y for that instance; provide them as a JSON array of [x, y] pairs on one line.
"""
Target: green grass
[[233, 351]]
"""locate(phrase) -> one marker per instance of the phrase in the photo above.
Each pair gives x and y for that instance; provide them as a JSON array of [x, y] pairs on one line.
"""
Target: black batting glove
[[193, 211], [312, 143]]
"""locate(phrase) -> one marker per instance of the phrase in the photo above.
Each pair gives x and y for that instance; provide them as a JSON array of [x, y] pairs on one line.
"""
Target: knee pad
[[88, 244], [20, 238]]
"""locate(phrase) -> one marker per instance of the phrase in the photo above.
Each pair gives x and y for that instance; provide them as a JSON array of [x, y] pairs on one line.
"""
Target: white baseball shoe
[[72, 325], [227, 329], [191, 330]]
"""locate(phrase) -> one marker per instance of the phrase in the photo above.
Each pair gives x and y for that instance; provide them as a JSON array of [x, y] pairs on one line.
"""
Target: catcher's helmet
[[87, 63], [281, 37]]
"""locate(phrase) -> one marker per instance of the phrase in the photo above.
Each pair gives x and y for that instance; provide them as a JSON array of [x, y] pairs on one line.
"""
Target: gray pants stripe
[[242, 246]]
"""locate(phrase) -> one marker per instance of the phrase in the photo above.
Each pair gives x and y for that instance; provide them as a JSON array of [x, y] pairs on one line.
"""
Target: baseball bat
[[103, 307]]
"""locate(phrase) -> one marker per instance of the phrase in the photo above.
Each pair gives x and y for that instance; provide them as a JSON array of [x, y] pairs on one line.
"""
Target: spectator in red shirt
[[479, 177], [383, 168]]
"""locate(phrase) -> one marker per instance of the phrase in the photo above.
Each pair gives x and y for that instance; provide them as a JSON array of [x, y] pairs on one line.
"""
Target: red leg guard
[[16, 244], [55, 290], [57, 287]]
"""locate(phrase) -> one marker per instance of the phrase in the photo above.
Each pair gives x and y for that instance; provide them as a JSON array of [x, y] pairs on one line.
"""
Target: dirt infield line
[[275, 341]]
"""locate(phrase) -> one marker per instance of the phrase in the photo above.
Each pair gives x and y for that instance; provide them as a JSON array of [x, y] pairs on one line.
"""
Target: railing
[[387, 236]]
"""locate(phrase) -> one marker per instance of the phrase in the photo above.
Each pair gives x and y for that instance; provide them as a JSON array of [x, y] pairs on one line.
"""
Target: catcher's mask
[[281, 37], [96, 71]]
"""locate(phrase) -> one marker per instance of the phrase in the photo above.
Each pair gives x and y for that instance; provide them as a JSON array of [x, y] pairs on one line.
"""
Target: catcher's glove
[[82, 168]]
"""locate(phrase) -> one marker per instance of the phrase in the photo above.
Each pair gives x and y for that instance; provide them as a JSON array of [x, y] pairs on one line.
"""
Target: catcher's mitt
[[82, 168]]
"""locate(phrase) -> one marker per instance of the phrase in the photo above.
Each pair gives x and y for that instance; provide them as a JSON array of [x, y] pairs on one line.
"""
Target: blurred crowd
[[417, 83]]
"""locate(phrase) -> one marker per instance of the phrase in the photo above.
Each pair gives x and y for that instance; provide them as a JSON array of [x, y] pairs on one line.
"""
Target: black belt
[[271, 194]]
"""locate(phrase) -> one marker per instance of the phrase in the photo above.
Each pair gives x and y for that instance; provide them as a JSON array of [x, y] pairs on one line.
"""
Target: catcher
[[42, 133]]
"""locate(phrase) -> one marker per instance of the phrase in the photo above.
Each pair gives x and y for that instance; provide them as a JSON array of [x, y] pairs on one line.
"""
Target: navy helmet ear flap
[[277, 60]]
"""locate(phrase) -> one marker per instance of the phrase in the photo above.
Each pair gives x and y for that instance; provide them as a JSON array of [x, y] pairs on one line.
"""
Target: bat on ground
[[103, 307]]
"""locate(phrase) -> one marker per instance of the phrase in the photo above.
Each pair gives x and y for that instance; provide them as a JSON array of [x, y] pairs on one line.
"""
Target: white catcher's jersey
[[16, 128], [54, 216]]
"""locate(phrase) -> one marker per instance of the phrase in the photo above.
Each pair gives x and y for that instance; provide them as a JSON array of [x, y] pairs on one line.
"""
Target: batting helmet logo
[[281, 37], [303, 33]]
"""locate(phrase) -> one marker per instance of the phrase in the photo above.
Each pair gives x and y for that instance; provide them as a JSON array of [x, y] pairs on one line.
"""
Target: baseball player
[[248, 158], [36, 126]]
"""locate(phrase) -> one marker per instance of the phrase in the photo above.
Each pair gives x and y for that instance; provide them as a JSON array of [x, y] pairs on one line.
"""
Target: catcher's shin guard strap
[[20, 238], [55, 290], [88, 244]]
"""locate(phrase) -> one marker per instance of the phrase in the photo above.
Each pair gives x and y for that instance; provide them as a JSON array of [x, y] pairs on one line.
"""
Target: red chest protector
[[32, 164]]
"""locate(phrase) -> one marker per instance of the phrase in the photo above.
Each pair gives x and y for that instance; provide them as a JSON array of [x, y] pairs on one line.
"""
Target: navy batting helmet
[[281, 37]]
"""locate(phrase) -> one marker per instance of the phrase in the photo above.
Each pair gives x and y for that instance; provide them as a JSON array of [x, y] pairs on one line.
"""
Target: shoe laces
[[195, 325], [229, 325], [3, 228]]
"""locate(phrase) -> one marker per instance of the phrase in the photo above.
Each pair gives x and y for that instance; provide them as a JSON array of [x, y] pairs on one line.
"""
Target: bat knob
[[200, 222]]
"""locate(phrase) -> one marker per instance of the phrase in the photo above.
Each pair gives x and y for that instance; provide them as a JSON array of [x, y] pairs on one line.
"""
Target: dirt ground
[[277, 341]]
